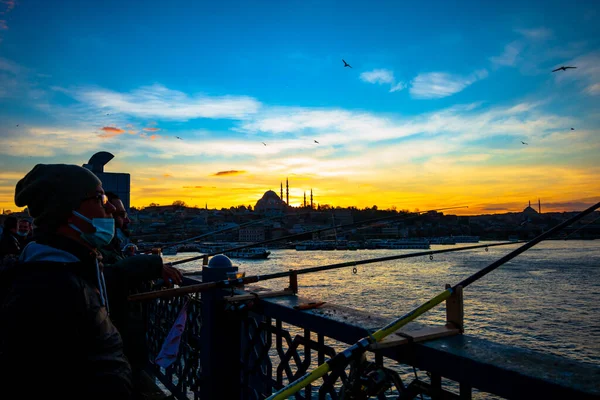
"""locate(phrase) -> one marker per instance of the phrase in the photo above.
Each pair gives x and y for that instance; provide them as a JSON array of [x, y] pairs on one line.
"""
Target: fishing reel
[[369, 379]]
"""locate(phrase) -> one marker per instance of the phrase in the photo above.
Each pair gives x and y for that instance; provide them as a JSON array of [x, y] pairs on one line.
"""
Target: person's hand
[[171, 275]]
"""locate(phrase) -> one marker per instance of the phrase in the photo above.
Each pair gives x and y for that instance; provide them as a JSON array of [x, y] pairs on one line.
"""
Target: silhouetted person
[[56, 337], [9, 242], [128, 275]]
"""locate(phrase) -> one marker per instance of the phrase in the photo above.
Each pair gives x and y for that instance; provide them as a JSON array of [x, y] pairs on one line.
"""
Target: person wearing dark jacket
[[127, 275], [9, 242], [56, 337]]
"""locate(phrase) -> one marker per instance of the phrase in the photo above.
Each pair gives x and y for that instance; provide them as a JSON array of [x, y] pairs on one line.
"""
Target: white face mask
[[105, 230]]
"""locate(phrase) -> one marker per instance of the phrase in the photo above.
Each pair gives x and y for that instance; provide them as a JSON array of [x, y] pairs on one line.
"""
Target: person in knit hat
[[54, 307]]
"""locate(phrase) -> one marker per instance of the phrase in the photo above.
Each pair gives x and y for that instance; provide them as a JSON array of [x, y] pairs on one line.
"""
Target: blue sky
[[432, 112]]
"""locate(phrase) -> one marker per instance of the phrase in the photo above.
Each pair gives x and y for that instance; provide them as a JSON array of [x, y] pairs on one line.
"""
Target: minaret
[[305, 199], [287, 192], [281, 191], [529, 203], [206, 206], [539, 206], [311, 199]]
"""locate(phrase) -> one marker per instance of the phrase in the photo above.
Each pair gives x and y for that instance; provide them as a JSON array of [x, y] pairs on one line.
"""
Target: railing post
[[455, 313], [220, 352]]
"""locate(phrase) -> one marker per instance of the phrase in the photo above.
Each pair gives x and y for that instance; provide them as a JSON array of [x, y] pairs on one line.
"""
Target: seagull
[[563, 68], [178, 138], [264, 143], [316, 141], [524, 142], [346, 64]]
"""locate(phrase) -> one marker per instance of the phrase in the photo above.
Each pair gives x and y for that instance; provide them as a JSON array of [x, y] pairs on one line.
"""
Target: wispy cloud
[[111, 131], [9, 66], [158, 101], [536, 33], [10, 4], [397, 87], [532, 41], [152, 129], [382, 77], [435, 85], [378, 76], [230, 172], [509, 56]]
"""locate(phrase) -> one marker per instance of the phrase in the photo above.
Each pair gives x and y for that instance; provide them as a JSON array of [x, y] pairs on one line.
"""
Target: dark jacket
[[9, 244], [56, 338], [125, 276]]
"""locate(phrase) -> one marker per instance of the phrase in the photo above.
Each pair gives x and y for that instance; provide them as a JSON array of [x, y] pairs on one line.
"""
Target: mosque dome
[[270, 202]]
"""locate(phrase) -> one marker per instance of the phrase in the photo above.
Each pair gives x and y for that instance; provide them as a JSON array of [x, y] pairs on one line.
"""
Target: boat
[[253, 253], [169, 251]]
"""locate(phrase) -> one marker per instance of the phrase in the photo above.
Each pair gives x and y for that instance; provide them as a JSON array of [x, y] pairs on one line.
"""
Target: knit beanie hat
[[52, 191]]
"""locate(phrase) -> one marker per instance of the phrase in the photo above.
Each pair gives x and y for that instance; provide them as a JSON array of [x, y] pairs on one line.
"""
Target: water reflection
[[544, 299]]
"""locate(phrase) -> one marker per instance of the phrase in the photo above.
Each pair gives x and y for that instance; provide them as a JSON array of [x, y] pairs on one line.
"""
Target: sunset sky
[[217, 102]]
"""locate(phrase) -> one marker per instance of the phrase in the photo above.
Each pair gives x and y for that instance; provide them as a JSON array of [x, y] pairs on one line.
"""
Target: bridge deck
[[507, 371]]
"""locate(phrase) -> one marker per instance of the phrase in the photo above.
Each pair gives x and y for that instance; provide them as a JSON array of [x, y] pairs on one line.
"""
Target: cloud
[[167, 175], [397, 87], [593, 89], [230, 172], [435, 85], [111, 131], [157, 101], [379, 76], [382, 77], [152, 129], [9, 66], [535, 34], [10, 4], [509, 56]]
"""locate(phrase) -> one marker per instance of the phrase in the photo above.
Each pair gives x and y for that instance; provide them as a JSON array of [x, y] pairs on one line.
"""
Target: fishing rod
[[202, 287], [302, 234], [341, 359]]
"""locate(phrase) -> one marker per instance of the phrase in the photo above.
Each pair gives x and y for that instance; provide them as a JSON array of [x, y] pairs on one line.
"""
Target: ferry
[[253, 253]]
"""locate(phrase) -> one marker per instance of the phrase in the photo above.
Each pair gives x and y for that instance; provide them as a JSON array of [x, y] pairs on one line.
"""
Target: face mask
[[22, 234], [105, 229]]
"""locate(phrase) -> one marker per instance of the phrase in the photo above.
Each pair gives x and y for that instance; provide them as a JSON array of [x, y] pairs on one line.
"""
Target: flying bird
[[264, 143], [346, 64], [17, 124], [572, 129], [524, 142], [178, 138], [563, 68], [316, 141]]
